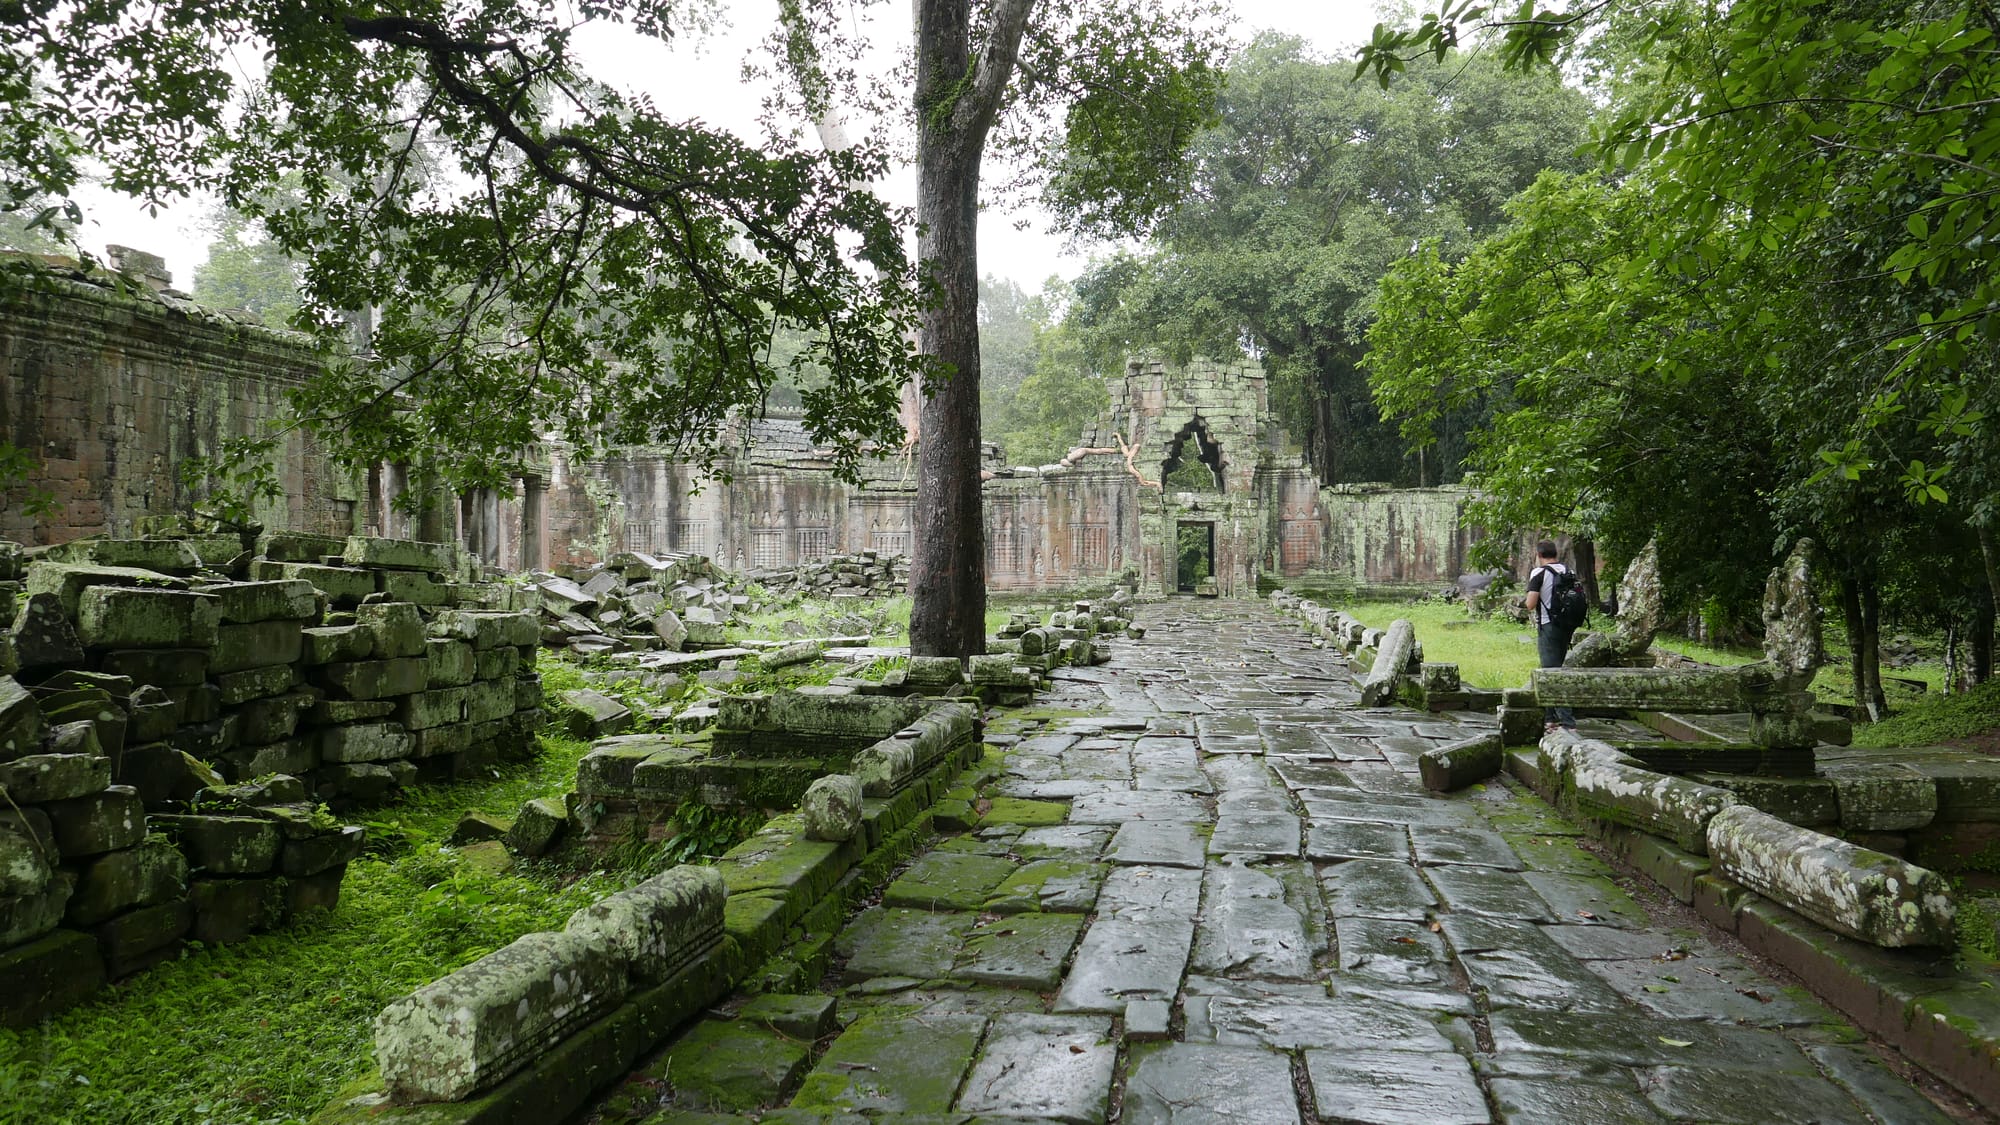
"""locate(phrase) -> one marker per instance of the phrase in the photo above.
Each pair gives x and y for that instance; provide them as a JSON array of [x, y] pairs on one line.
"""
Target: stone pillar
[[395, 521], [488, 502], [534, 523]]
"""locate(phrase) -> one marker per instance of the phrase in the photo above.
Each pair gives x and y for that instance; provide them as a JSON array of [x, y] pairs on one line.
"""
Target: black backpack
[[1569, 606]]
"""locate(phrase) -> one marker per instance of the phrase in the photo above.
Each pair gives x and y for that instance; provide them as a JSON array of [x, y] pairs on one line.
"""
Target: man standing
[[1552, 635]]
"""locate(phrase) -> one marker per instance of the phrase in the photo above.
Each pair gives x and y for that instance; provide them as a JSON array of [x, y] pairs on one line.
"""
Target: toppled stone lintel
[[1392, 660], [1459, 764], [1849, 889], [1611, 786], [1710, 690]]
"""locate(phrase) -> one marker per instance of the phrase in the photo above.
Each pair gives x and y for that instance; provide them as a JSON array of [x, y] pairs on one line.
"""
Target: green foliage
[[230, 488], [266, 1030], [1933, 718], [1307, 190], [592, 266], [17, 465], [257, 276]]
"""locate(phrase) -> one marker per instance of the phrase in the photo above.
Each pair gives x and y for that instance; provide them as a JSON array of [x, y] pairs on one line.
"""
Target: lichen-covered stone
[[1792, 619], [321, 852], [20, 721], [536, 827], [41, 778], [42, 636], [450, 662], [832, 808], [126, 617], [1611, 787], [148, 874], [374, 679], [100, 822], [231, 910], [1456, 765], [1392, 658], [1705, 691], [248, 602], [798, 652], [24, 865], [1640, 604], [256, 683], [480, 1024], [343, 586], [331, 644], [365, 742], [398, 628], [659, 926], [1882, 796], [591, 714], [399, 554], [1849, 889], [164, 668], [225, 845], [256, 644], [69, 581]]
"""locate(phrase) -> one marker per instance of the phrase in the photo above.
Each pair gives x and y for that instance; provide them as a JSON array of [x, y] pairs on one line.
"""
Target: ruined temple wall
[[1062, 529], [1390, 539], [111, 392]]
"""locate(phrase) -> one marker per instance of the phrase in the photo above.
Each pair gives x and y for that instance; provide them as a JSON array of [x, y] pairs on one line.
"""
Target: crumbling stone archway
[[1201, 472]]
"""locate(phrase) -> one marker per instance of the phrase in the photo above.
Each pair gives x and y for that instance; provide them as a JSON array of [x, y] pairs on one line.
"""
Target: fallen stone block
[[467, 1031], [25, 864], [42, 635], [1392, 659], [299, 546], [1458, 764], [1848, 889], [801, 652], [151, 873], [21, 723], [1700, 690], [414, 587], [255, 683], [588, 714], [251, 602], [100, 822], [399, 554], [832, 808], [257, 644], [47, 976], [536, 827], [324, 851], [660, 926], [398, 628], [227, 911], [343, 586], [163, 667], [144, 937], [68, 581], [365, 742], [224, 845], [41, 778], [374, 679], [125, 617]]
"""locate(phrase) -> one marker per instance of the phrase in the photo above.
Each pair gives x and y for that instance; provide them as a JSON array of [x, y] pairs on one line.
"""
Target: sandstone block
[[166, 668], [272, 719], [365, 742], [25, 865], [374, 679], [297, 546], [320, 853], [398, 628], [1456, 765], [121, 617], [257, 644], [832, 808], [536, 827], [489, 700], [143, 938], [42, 636], [590, 714], [248, 602], [1882, 796], [434, 708], [660, 926], [1849, 889], [469, 1030], [169, 556], [337, 644], [40, 778], [44, 977], [150, 873], [227, 911], [225, 845], [1610, 787], [399, 554], [451, 662], [68, 581], [1392, 658], [21, 723], [414, 588], [98, 823], [256, 683], [342, 585]]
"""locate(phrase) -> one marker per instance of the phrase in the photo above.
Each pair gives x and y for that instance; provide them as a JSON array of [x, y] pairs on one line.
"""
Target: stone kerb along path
[[1200, 883]]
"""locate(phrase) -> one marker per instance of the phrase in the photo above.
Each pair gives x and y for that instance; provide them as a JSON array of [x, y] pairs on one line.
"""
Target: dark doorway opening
[[1194, 550]]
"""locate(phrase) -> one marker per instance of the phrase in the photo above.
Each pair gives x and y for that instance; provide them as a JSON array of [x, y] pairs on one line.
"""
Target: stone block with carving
[[1792, 620], [1849, 889], [832, 808], [660, 926]]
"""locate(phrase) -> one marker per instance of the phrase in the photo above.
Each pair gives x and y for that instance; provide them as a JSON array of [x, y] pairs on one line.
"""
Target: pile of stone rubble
[[636, 602]]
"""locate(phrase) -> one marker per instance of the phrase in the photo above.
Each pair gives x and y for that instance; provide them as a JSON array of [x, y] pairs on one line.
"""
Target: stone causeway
[[1201, 883]]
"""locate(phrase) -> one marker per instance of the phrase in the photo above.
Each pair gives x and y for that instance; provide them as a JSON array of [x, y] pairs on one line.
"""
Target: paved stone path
[[1205, 887]]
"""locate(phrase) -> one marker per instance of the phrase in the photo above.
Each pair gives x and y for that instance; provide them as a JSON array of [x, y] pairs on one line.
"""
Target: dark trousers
[[1552, 644]]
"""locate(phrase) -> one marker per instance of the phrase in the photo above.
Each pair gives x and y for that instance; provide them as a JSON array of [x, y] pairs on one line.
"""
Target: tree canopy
[[542, 254]]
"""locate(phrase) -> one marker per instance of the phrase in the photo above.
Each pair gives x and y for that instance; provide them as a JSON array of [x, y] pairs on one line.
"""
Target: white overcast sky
[[706, 83]]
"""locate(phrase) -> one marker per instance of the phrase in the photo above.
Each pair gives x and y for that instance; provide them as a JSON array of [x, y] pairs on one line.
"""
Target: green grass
[[1931, 719], [267, 1030]]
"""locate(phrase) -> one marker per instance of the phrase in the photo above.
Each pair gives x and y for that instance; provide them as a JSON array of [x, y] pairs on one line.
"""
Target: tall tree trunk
[[1584, 550], [1871, 654], [1850, 613], [955, 104], [1982, 644], [1982, 637]]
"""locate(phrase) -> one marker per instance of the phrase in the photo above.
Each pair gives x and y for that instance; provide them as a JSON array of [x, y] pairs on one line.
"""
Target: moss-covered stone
[[729, 1065], [1025, 813], [1054, 885], [949, 881], [888, 1065]]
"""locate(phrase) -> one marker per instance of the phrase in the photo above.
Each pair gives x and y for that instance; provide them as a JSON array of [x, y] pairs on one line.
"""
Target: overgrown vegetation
[[266, 1030]]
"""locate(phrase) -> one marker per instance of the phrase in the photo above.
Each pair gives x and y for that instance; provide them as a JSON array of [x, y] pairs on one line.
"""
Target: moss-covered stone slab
[[731, 1065], [1686, 1093], [887, 941], [146, 875], [1055, 885], [1610, 787], [1019, 951], [44, 977], [128, 617], [806, 1017], [1555, 853], [889, 1066], [1023, 812], [1878, 797], [949, 881], [1586, 898]]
